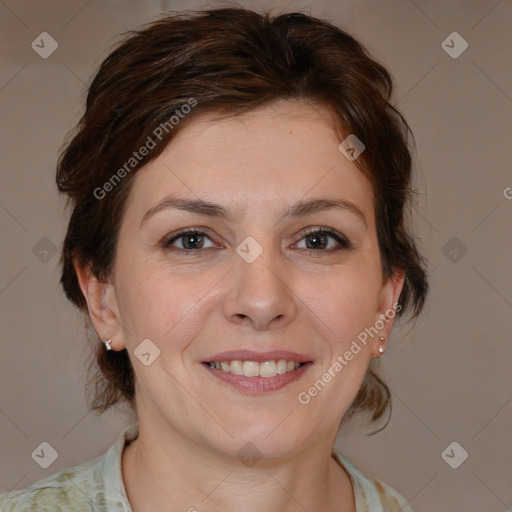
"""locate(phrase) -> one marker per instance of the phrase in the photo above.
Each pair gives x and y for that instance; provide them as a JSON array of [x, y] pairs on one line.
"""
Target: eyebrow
[[298, 209]]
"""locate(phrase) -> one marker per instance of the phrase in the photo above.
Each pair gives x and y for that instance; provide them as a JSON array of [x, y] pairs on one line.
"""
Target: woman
[[239, 185]]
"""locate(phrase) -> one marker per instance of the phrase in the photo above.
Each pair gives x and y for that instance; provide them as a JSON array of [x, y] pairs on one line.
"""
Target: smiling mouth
[[257, 378], [264, 369]]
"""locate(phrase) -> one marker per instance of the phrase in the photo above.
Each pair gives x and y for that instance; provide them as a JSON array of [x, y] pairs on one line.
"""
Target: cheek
[[345, 302], [158, 304], [346, 309]]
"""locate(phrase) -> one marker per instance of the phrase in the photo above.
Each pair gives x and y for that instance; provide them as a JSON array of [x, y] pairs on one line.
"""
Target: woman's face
[[252, 283]]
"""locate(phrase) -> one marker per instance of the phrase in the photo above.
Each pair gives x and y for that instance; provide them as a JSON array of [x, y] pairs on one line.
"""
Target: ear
[[102, 306], [387, 309]]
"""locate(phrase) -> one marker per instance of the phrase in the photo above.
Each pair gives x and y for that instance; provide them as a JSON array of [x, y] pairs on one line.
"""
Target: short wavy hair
[[230, 61]]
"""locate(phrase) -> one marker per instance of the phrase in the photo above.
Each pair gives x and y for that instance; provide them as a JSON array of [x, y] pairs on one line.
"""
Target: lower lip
[[258, 385]]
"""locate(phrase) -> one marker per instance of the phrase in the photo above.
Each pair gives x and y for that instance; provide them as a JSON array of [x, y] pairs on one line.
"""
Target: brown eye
[[190, 241], [318, 239]]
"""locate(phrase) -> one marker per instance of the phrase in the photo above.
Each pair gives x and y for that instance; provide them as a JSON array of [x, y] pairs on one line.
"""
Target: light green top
[[97, 486]]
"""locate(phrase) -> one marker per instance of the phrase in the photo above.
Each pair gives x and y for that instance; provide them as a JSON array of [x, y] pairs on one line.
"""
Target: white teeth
[[236, 367], [281, 366], [268, 369], [251, 369], [255, 369]]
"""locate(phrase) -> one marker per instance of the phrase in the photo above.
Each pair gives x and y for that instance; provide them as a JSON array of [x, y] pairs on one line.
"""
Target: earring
[[381, 338], [107, 344]]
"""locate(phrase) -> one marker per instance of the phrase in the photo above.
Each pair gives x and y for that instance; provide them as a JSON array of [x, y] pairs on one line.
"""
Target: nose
[[261, 294]]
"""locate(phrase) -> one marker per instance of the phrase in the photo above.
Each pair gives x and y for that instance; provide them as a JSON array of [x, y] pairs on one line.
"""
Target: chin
[[263, 440]]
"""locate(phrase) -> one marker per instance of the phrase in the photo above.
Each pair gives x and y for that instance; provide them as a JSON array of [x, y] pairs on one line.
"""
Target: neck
[[180, 475]]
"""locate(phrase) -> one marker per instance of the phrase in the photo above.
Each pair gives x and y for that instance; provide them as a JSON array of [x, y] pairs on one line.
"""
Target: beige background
[[450, 376]]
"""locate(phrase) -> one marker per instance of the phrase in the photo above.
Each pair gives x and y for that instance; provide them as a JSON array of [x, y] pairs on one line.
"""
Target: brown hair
[[229, 61]]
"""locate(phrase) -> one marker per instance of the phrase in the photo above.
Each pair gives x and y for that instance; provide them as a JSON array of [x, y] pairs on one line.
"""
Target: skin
[[314, 302]]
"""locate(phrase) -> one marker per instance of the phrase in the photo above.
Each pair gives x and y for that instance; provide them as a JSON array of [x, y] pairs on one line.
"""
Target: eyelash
[[342, 240]]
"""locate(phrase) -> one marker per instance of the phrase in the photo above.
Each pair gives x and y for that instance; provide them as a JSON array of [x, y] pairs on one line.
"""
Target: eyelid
[[339, 237], [168, 239]]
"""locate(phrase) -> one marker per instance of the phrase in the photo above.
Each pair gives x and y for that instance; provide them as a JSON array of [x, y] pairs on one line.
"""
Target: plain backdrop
[[450, 376]]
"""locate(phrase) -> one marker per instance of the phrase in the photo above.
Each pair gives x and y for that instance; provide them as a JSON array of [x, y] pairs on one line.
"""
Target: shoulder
[[92, 486], [391, 500], [71, 490], [371, 493]]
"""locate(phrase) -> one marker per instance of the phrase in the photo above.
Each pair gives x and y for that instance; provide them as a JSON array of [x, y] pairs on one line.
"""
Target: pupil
[[194, 239], [317, 238]]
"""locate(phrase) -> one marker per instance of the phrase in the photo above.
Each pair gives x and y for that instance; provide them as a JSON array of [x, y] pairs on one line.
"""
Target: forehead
[[269, 157]]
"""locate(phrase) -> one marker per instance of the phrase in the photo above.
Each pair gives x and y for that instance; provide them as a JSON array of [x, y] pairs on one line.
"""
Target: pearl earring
[[107, 344], [381, 338]]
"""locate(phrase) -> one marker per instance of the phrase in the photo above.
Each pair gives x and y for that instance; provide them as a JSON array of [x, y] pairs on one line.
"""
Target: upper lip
[[249, 355]]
